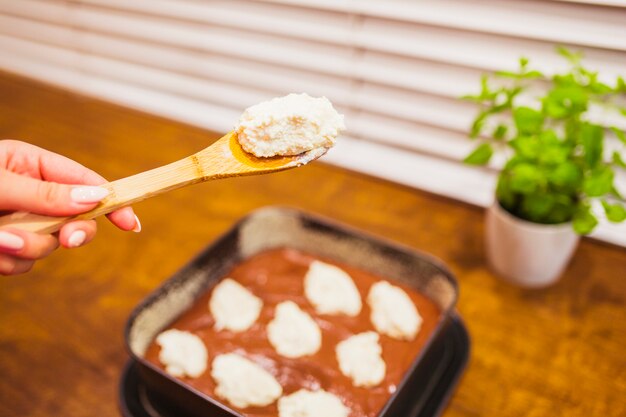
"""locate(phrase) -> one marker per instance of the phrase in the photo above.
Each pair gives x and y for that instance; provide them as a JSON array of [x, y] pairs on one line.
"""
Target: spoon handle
[[222, 159], [122, 192]]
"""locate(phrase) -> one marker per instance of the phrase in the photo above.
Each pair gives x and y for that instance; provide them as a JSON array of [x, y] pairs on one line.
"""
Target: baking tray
[[276, 227], [136, 400]]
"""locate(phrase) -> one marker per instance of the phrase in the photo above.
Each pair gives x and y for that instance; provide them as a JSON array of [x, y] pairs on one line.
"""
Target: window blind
[[395, 68]]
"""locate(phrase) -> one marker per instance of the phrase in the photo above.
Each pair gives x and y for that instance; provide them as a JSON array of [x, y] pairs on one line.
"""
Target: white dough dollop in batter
[[243, 383], [331, 290], [182, 353], [292, 332], [305, 403], [360, 359], [233, 306], [289, 125], [393, 312]]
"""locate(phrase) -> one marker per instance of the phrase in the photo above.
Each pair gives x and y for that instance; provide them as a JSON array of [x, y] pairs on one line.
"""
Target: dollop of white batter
[[243, 383], [331, 290], [289, 125], [360, 359], [233, 306], [393, 312], [182, 353], [292, 332], [305, 403]]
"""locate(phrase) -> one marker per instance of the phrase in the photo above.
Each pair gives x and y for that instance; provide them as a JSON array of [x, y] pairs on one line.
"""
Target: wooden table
[[553, 352]]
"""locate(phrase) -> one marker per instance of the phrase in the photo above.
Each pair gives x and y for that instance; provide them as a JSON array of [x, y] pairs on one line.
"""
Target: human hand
[[39, 181]]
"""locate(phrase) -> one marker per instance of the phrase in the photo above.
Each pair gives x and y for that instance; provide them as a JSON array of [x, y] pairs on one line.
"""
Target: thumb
[[22, 193]]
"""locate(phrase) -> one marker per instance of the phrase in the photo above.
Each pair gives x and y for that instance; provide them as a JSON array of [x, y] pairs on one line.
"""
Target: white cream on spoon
[[289, 125]]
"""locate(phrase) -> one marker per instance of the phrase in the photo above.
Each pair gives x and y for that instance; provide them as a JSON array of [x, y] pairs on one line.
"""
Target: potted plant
[[557, 164]]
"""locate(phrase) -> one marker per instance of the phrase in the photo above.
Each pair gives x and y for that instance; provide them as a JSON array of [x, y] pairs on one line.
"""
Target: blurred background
[[396, 69]]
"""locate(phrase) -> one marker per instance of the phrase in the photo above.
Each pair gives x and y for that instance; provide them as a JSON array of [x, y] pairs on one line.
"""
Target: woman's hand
[[39, 181]]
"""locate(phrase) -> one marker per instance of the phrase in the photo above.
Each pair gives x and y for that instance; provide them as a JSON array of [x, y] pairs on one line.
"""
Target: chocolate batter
[[278, 275]]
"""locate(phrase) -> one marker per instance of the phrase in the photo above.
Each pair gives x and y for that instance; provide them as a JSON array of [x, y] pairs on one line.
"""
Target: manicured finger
[[77, 233], [10, 265], [27, 245], [57, 168], [22, 193], [125, 219], [38, 163]]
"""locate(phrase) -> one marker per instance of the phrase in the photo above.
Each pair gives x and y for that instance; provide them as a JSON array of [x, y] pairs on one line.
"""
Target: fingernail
[[137, 227], [88, 194], [11, 241], [77, 238]]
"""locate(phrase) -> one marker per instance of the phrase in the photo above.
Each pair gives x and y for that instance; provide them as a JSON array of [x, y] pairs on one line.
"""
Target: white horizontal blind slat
[[477, 50], [279, 20], [272, 78], [615, 3], [541, 20], [263, 47], [395, 68], [170, 106]]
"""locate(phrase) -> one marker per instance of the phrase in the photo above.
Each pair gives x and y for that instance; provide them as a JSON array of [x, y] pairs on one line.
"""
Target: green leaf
[[500, 132], [554, 109], [584, 221], [549, 137], [620, 134], [512, 93], [526, 178], [513, 161], [565, 100], [564, 80], [523, 62], [480, 156], [537, 206], [567, 176], [599, 182], [523, 74], [534, 74], [485, 91], [526, 146], [591, 137], [615, 193], [477, 124], [504, 194], [616, 213], [573, 57], [620, 86], [527, 120], [563, 209], [553, 155], [572, 130], [472, 97], [485, 94], [617, 160], [600, 88], [509, 74]]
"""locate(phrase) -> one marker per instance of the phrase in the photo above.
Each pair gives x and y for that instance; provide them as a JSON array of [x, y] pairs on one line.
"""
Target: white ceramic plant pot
[[525, 253]]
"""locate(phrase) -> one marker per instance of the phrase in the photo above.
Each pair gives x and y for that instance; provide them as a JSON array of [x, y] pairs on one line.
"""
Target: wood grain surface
[[558, 351]]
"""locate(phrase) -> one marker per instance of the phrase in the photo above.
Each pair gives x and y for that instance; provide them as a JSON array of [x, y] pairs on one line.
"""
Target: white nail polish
[[11, 241], [137, 227], [77, 238], [88, 194]]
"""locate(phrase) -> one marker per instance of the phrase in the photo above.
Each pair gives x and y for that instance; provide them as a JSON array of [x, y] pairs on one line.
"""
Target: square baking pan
[[277, 227]]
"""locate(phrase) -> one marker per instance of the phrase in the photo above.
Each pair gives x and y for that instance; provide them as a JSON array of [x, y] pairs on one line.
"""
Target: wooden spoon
[[224, 158]]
